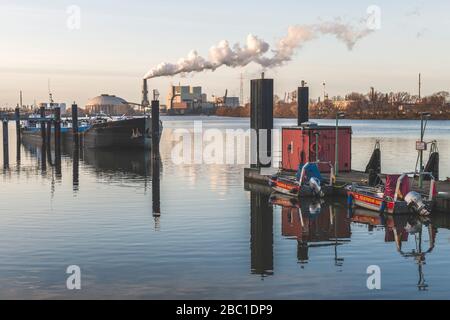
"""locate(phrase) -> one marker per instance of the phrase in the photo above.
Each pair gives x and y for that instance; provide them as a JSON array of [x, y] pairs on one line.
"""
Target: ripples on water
[[213, 239]]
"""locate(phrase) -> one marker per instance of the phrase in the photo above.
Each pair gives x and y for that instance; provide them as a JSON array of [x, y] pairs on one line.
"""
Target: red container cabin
[[299, 146]]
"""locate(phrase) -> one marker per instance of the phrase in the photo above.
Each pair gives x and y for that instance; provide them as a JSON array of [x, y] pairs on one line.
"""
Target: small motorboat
[[308, 182], [395, 197]]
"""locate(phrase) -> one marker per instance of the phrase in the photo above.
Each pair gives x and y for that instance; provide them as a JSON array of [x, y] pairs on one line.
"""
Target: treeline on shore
[[374, 105]]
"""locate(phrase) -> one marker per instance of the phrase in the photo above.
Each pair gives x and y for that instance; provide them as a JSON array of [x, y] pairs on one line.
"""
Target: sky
[[114, 43]]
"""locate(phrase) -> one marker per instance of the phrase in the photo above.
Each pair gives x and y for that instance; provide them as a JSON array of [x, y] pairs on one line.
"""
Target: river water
[[213, 239]]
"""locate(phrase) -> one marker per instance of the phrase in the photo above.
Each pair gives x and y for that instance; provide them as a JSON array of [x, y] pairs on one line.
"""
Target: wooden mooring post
[[17, 116], [43, 132], [57, 138], [18, 134], [5, 143], [75, 123]]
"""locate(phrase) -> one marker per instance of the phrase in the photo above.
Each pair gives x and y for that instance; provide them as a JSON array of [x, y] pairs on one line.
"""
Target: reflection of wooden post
[[75, 163], [156, 205], [45, 153], [5, 143], [261, 234]]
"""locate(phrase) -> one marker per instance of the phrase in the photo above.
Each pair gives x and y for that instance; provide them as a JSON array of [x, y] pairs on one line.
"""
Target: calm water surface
[[213, 239]]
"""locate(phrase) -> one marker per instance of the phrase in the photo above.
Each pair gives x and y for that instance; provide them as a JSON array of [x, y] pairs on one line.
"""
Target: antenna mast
[[50, 93], [241, 95], [420, 87]]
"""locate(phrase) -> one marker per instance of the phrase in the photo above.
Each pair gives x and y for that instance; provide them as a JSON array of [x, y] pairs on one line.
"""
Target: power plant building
[[185, 99]]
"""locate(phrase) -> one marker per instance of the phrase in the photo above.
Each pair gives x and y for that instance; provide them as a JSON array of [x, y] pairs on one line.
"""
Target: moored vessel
[[307, 183], [394, 197]]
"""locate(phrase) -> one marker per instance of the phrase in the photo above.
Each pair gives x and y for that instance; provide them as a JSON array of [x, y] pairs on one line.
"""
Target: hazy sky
[[119, 41]]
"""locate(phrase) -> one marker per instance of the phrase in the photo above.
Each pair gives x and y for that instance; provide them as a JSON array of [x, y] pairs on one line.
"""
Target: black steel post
[[5, 143], [261, 114], [303, 105], [155, 128]]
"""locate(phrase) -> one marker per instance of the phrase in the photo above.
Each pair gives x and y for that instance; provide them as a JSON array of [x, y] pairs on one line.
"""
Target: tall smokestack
[[303, 104], [145, 101]]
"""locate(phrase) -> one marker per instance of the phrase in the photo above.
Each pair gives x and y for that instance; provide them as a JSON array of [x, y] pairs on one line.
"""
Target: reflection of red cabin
[[299, 146], [374, 219], [316, 229]]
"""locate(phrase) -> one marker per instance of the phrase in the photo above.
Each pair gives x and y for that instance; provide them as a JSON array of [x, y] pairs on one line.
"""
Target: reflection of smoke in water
[[256, 50]]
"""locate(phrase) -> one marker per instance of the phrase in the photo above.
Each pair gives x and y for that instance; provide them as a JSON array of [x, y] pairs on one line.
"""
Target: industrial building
[[108, 104], [188, 100], [229, 102], [185, 99]]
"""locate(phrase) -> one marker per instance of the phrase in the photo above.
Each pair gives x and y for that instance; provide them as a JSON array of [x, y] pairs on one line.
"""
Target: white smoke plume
[[256, 50]]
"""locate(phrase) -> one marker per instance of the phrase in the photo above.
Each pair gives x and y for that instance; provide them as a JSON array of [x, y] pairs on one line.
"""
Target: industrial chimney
[[303, 104], [145, 101]]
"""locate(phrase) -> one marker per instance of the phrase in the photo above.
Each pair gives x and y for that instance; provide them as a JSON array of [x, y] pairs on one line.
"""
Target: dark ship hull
[[34, 135], [132, 133], [128, 133]]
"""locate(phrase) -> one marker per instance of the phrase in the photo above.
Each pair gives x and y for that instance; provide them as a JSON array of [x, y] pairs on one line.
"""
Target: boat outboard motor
[[315, 208], [314, 184], [415, 201]]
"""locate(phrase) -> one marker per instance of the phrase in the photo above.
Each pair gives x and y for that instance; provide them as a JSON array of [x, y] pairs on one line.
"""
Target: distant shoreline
[[332, 118]]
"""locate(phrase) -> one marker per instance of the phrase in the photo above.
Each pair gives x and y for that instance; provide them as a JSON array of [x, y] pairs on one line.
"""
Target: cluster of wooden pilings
[[46, 126], [50, 132]]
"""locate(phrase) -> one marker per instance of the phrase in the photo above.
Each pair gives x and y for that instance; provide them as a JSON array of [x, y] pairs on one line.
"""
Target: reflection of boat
[[132, 161], [395, 197], [369, 217], [313, 223], [307, 183], [414, 226]]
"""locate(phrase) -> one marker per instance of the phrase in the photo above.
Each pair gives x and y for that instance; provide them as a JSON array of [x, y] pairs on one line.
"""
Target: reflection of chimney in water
[[261, 235]]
